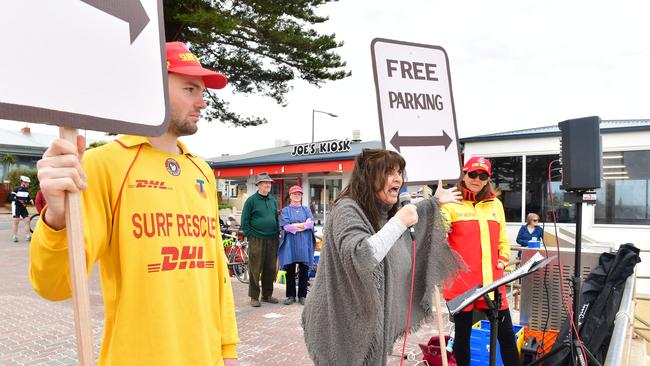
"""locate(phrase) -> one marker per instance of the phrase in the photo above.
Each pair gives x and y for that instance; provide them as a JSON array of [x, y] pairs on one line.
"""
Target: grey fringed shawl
[[357, 307]]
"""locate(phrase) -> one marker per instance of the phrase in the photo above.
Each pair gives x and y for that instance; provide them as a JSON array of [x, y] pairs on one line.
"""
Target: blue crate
[[479, 343], [314, 266]]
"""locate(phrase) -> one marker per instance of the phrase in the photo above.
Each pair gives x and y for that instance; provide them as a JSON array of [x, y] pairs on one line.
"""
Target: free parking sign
[[90, 64], [416, 108]]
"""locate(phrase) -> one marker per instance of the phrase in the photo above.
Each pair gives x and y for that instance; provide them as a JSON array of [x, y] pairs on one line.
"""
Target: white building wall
[[551, 145], [619, 141]]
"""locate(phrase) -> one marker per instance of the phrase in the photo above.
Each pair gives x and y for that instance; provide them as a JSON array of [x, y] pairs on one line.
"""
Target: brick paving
[[34, 331]]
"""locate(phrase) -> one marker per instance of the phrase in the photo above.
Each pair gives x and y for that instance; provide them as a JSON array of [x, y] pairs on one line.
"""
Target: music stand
[[572, 342], [457, 304]]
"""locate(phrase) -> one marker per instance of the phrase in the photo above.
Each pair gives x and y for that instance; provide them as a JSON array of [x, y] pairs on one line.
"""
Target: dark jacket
[[524, 236], [259, 217], [600, 298]]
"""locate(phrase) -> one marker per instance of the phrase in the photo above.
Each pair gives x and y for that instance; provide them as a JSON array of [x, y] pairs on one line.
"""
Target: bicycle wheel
[[33, 220], [241, 272], [240, 266]]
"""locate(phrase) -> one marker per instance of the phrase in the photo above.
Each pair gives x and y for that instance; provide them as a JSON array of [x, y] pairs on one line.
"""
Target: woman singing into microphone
[[359, 303]]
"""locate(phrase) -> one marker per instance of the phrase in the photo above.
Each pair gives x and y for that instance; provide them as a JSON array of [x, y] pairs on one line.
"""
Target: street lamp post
[[313, 112]]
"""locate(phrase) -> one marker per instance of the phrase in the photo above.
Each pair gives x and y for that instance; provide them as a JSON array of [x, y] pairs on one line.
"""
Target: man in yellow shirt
[[150, 220]]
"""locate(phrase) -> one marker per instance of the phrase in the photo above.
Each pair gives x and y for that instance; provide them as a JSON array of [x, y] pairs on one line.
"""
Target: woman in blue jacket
[[530, 230]]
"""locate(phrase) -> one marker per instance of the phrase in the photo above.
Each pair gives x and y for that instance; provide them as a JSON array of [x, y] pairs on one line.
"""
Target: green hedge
[[224, 205]]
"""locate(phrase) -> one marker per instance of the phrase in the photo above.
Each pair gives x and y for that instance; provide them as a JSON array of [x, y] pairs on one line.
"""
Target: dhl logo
[[188, 257], [144, 183]]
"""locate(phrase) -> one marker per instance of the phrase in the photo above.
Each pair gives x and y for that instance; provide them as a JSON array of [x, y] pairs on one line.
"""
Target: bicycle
[[237, 256], [33, 220]]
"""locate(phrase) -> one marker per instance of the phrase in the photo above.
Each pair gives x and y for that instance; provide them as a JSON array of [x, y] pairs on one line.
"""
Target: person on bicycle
[[297, 245], [166, 289], [19, 201]]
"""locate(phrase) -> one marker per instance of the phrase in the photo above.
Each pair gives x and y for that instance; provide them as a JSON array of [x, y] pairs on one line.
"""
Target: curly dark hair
[[371, 168]]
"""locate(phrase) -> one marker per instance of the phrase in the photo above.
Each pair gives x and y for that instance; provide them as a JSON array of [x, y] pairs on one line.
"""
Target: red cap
[[478, 163], [295, 189], [181, 61]]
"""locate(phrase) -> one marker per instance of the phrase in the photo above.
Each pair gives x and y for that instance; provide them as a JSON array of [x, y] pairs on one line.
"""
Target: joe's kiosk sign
[[323, 147]]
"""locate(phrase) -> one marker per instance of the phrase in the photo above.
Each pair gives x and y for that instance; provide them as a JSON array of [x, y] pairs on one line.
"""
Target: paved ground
[[38, 332]]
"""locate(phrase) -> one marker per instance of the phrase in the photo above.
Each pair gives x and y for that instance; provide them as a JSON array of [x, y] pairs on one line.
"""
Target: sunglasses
[[481, 175]]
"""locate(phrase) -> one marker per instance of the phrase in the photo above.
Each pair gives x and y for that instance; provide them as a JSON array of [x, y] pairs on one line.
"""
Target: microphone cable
[[568, 301], [408, 314]]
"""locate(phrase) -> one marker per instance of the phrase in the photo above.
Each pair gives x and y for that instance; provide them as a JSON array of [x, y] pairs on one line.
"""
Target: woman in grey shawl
[[359, 303]]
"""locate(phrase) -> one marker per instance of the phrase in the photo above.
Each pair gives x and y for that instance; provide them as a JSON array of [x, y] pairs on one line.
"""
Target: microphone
[[405, 199]]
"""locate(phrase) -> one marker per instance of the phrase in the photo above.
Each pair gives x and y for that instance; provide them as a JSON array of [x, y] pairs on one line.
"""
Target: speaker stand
[[573, 344]]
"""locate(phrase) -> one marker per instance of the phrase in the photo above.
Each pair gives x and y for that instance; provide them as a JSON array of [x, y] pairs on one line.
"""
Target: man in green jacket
[[259, 221]]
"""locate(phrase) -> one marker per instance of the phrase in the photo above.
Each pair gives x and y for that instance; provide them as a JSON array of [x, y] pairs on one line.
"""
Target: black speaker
[[581, 153]]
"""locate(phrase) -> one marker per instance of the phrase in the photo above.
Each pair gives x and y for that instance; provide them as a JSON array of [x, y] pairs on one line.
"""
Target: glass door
[[316, 202], [332, 190], [323, 192]]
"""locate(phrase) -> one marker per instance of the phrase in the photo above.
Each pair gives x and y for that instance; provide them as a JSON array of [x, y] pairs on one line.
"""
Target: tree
[[261, 45], [7, 160]]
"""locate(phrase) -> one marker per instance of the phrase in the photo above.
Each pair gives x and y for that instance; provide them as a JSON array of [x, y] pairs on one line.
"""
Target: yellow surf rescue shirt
[[150, 220]]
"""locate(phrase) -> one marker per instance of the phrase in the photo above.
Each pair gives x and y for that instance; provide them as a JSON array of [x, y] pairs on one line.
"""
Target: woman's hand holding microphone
[[408, 215]]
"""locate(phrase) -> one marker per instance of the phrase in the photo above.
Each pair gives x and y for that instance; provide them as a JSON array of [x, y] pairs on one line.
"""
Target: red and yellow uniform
[[151, 221], [478, 234]]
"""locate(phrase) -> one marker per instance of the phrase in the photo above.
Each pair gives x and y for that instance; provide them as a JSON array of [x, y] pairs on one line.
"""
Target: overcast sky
[[514, 65]]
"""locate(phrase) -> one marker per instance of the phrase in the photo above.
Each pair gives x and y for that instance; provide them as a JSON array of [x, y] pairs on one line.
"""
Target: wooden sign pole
[[441, 326], [78, 273], [426, 192]]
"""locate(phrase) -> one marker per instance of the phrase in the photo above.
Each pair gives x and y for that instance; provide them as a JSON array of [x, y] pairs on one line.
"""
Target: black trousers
[[262, 259], [303, 277], [506, 336]]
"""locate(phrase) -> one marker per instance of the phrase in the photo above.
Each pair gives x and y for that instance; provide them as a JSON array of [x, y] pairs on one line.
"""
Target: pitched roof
[[27, 144], [19, 143]]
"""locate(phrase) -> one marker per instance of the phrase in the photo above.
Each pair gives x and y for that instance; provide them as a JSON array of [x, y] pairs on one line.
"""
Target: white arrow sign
[[416, 108], [90, 64]]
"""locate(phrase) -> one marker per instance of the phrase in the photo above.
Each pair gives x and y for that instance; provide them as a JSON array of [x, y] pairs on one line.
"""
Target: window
[[624, 196], [537, 199], [233, 191], [234, 188], [506, 175]]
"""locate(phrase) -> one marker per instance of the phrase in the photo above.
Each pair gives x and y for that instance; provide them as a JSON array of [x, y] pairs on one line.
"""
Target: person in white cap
[[19, 199]]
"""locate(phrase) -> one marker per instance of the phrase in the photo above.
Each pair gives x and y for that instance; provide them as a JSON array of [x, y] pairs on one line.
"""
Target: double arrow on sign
[[130, 11], [408, 141]]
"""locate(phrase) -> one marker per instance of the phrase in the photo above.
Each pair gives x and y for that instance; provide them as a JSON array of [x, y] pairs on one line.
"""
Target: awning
[[280, 169]]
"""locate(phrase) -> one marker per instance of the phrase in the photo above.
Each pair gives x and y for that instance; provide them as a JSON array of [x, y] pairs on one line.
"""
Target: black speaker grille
[[581, 153]]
